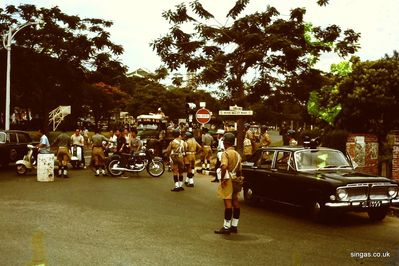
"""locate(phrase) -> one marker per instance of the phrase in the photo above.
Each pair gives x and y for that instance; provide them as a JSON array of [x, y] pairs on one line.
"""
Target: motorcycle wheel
[[155, 168], [21, 169], [114, 162]]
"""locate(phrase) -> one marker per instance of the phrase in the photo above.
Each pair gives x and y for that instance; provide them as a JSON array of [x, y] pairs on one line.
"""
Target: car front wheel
[[250, 197], [318, 212]]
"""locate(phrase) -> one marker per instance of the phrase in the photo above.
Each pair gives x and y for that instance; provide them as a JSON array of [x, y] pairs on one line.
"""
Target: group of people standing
[[183, 150], [63, 142]]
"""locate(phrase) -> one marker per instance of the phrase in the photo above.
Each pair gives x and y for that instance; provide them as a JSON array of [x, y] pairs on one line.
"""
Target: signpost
[[203, 116]]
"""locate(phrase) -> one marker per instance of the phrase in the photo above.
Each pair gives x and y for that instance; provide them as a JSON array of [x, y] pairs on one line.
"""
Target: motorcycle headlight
[[392, 192], [342, 194]]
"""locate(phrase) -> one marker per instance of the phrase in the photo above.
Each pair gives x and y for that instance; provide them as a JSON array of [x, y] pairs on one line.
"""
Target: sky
[[138, 22]]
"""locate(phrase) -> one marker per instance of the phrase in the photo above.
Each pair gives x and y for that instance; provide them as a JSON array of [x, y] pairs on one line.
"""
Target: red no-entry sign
[[203, 116]]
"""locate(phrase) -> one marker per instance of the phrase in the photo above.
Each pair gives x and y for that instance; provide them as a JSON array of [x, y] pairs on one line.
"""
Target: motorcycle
[[136, 162], [77, 156]]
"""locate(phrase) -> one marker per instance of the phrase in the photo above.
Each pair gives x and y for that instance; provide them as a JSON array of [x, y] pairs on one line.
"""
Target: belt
[[207, 145], [190, 152]]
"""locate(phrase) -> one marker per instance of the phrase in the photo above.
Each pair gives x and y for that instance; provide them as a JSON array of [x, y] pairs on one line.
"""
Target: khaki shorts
[[177, 165], [98, 156], [189, 159], [207, 152], [227, 191], [63, 155]]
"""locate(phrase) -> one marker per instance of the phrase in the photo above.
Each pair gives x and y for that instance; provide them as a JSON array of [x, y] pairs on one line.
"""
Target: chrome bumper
[[393, 202]]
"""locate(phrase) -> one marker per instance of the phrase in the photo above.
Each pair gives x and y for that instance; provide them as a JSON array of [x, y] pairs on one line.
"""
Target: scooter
[[26, 164], [77, 156]]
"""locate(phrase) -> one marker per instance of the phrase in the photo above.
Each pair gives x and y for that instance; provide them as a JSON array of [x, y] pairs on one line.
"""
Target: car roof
[[13, 131]]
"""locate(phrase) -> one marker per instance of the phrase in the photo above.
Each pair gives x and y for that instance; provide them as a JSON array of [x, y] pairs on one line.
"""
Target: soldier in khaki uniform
[[192, 147], [63, 156], [231, 161], [176, 151], [98, 156], [207, 140], [265, 138]]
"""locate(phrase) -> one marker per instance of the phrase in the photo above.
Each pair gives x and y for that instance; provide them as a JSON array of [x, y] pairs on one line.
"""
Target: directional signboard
[[203, 116], [236, 112]]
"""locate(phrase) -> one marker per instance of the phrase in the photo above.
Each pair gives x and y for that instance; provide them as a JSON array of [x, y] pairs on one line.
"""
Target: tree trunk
[[240, 135]]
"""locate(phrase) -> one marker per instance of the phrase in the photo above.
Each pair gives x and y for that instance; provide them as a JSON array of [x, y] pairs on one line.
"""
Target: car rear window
[[13, 137]]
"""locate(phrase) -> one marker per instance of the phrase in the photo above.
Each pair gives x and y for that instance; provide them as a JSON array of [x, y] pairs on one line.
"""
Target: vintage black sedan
[[320, 179]]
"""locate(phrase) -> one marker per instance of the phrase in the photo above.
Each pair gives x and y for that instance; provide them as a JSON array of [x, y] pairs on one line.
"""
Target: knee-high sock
[[236, 216], [227, 217]]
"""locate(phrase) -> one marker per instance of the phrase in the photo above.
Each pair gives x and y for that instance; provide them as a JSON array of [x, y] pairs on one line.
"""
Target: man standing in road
[[175, 151], [78, 140], [231, 163], [43, 147], [98, 156], [192, 148], [207, 140], [63, 156], [265, 140], [220, 150]]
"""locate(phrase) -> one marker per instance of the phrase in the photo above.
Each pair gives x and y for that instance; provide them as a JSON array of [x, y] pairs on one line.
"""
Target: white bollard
[[45, 167]]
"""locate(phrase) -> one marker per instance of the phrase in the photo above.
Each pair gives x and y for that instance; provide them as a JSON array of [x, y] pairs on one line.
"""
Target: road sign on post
[[203, 116]]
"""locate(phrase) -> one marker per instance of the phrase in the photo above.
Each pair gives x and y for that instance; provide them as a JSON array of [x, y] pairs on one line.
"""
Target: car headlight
[[392, 192], [342, 194]]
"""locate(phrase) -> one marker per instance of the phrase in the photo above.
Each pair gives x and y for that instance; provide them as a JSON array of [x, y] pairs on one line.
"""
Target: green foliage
[[327, 114], [52, 63], [264, 43], [369, 95]]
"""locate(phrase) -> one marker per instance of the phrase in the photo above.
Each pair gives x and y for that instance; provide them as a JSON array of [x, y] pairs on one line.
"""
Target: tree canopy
[[257, 55], [52, 63], [368, 93]]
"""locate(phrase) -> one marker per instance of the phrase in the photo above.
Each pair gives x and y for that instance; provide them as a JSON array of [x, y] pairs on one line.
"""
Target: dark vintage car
[[320, 179], [13, 145]]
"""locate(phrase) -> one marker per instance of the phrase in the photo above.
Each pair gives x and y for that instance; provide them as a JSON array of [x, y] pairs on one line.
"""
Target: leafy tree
[[104, 100], [369, 96], [52, 62], [276, 49]]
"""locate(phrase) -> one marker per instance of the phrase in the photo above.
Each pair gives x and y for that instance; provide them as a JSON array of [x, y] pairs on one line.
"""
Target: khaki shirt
[[192, 145], [265, 139], [249, 135], [230, 158], [176, 147]]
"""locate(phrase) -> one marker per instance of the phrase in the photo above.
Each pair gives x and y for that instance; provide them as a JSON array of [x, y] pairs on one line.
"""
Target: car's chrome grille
[[357, 193], [379, 192], [365, 191]]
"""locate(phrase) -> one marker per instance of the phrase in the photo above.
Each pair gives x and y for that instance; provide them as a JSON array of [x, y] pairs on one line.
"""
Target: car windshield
[[320, 159]]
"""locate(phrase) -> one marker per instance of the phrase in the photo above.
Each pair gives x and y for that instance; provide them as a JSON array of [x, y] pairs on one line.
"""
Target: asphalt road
[[88, 220]]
